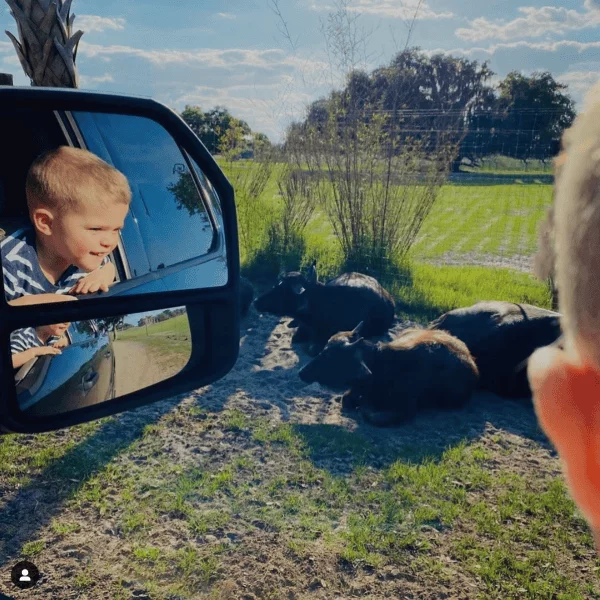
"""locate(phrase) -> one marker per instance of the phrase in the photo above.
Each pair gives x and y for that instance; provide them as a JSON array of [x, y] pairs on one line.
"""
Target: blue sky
[[234, 54]]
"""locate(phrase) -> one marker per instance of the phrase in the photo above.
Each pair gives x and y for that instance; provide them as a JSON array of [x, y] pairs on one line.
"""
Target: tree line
[[425, 97]]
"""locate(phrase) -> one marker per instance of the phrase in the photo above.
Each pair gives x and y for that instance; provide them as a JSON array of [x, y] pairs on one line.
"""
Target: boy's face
[[83, 237], [57, 329]]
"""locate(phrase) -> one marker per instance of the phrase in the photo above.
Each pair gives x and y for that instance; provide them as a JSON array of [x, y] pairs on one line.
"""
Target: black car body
[[84, 374]]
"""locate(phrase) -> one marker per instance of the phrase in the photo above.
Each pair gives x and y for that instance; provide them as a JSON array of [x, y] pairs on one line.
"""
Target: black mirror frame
[[213, 313]]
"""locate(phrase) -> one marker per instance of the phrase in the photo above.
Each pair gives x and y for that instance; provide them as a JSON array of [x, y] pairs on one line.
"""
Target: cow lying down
[[323, 309], [501, 336], [391, 382]]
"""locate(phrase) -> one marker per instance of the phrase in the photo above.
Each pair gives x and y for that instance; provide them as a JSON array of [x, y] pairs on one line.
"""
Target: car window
[[207, 187], [165, 197], [80, 331]]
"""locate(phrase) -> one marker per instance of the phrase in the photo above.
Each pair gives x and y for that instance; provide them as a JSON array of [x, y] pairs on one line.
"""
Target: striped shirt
[[22, 339], [21, 269]]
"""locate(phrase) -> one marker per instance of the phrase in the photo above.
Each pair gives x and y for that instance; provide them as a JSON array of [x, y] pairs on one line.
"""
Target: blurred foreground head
[[570, 238], [566, 383]]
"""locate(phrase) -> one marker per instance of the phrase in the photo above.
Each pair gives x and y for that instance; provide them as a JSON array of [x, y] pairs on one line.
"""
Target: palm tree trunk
[[46, 47]]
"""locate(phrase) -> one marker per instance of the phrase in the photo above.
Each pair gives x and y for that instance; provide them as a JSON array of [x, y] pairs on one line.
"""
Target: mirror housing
[[213, 313]]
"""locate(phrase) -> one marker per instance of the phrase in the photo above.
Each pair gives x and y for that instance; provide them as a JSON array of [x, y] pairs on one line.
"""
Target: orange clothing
[[567, 402]]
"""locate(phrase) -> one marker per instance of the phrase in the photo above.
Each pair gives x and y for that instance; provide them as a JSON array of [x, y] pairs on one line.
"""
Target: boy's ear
[[42, 220]]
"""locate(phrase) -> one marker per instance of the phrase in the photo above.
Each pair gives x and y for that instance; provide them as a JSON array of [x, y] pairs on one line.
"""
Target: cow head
[[340, 363], [283, 298], [288, 297]]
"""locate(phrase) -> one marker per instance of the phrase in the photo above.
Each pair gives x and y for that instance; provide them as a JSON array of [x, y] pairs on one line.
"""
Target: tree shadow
[[483, 179], [340, 450], [36, 503], [257, 332]]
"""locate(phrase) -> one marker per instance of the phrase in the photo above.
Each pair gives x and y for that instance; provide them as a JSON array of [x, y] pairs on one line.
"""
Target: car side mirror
[[112, 203]]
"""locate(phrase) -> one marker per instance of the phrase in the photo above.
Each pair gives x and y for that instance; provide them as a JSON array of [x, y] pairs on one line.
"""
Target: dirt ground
[[264, 384], [137, 366]]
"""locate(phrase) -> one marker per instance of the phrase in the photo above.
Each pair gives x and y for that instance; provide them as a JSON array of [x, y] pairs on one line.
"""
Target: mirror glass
[[101, 203], [62, 367]]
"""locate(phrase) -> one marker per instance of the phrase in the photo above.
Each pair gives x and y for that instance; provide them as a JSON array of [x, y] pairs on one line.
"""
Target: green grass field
[[478, 221], [476, 244], [171, 337]]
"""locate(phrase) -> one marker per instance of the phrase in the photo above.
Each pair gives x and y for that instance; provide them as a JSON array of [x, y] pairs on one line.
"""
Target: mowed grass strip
[[498, 220]]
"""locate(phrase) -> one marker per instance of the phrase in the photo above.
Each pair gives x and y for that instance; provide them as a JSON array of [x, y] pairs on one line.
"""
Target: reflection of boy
[[26, 344], [77, 204]]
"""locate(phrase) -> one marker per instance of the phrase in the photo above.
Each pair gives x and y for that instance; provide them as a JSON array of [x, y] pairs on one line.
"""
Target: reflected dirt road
[[138, 366]]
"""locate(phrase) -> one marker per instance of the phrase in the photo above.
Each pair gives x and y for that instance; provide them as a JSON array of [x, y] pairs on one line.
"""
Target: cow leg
[[351, 400], [385, 418]]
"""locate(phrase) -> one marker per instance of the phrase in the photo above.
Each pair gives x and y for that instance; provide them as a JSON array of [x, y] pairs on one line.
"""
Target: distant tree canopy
[[213, 126], [428, 96]]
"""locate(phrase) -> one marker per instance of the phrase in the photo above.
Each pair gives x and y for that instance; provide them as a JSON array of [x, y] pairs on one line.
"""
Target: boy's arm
[[98, 280], [41, 299], [20, 358]]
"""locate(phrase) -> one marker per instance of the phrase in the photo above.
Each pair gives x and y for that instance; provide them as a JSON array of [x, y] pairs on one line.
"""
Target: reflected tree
[[111, 324], [187, 196]]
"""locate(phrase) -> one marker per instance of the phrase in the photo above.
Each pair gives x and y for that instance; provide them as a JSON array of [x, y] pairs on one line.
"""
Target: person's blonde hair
[[67, 178]]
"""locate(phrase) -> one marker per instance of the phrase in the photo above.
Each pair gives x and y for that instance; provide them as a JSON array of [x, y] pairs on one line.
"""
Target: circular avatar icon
[[25, 575]]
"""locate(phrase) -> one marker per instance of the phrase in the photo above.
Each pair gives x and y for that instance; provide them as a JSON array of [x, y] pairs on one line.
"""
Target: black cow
[[501, 337], [391, 382], [323, 309]]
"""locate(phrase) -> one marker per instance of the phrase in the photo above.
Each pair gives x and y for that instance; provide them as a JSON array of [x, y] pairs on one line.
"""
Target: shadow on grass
[[482, 179], [246, 377], [35, 504], [275, 257], [426, 438]]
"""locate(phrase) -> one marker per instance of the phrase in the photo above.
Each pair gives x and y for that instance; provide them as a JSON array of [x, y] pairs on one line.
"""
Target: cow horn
[[355, 343], [356, 330]]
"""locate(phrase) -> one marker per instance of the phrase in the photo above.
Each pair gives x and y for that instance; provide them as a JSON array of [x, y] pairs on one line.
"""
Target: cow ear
[[312, 276], [297, 288]]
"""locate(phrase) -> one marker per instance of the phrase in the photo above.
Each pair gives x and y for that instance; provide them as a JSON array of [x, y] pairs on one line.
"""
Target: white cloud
[[91, 79], [580, 83], [269, 58], [12, 60], [562, 45], [398, 9], [91, 23], [225, 15], [266, 108], [534, 22]]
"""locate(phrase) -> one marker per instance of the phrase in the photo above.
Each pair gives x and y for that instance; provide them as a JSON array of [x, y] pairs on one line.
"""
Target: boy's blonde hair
[[67, 178]]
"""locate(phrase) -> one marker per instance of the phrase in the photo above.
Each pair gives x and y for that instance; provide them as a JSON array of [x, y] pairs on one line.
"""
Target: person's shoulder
[[25, 332], [18, 242]]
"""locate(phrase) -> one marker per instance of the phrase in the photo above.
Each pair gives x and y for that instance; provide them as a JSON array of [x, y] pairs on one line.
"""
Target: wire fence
[[477, 242]]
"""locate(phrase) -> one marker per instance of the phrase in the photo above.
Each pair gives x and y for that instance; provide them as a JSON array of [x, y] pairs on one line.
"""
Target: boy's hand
[[566, 396], [61, 343], [43, 350], [96, 281]]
